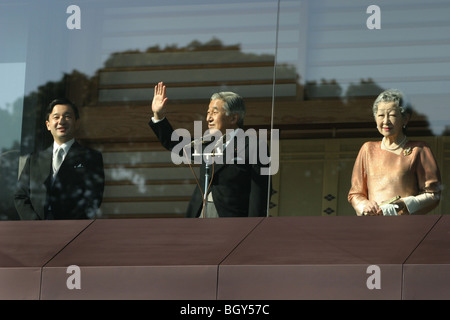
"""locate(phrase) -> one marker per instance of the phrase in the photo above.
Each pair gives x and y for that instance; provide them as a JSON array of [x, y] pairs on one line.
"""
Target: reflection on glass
[[110, 65], [337, 56], [329, 68], [341, 66], [12, 79]]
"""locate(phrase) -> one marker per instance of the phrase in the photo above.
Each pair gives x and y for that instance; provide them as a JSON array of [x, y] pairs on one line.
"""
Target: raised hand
[[159, 101]]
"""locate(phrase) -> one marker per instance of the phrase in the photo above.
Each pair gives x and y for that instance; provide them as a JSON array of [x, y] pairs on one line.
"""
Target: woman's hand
[[371, 208]]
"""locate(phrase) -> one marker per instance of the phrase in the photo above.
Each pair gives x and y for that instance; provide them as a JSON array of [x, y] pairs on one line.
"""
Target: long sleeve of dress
[[358, 193], [429, 182]]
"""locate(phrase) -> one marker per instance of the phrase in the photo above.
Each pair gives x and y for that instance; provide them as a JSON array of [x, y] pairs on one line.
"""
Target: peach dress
[[380, 175]]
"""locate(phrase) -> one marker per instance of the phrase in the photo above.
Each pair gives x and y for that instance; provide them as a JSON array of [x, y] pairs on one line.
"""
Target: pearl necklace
[[398, 145]]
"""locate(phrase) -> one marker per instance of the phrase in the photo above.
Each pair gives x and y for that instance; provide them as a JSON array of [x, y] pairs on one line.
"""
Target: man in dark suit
[[64, 181], [237, 189]]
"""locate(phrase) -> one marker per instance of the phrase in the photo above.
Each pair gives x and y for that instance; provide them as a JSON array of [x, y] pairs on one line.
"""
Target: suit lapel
[[70, 161], [41, 177], [219, 162], [233, 155], [44, 172]]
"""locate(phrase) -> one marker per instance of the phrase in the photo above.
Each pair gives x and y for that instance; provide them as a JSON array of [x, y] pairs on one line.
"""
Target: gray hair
[[233, 104], [393, 95]]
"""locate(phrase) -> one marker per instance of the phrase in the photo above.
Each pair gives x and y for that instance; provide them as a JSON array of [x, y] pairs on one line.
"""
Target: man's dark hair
[[65, 102]]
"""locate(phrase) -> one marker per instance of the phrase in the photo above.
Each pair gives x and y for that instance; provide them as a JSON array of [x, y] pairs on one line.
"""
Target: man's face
[[217, 119], [62, 123]]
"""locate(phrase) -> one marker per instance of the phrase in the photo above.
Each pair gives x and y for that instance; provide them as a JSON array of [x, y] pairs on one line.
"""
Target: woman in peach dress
[[394, 176]]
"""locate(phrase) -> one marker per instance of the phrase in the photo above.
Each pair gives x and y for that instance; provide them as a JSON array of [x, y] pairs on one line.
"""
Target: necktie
[[58, 159]]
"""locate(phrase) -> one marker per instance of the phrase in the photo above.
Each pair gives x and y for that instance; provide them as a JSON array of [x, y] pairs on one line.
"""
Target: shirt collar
[[230, 137], [232, 134], [66, 146]]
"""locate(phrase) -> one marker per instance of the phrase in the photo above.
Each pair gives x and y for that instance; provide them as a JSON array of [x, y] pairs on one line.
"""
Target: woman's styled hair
[[396, 96], [393, 95], [233, 104]]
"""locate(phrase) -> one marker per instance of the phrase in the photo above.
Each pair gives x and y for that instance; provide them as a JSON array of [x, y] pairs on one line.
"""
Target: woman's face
[[389, 119]]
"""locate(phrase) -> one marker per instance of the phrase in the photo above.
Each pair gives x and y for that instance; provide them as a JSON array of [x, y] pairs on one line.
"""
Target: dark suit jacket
[[238, 190], [76, 193]]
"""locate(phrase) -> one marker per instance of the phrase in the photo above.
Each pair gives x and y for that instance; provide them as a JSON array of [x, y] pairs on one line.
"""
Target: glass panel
[[106, 56], [340, 64], [336, 55], [12, 79]]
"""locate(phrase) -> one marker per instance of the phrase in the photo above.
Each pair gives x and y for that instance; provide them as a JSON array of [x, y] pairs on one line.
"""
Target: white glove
[[412, 204], [389, 209]]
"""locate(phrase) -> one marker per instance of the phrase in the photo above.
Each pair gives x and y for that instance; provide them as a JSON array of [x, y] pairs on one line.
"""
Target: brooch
[[407, 151]]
